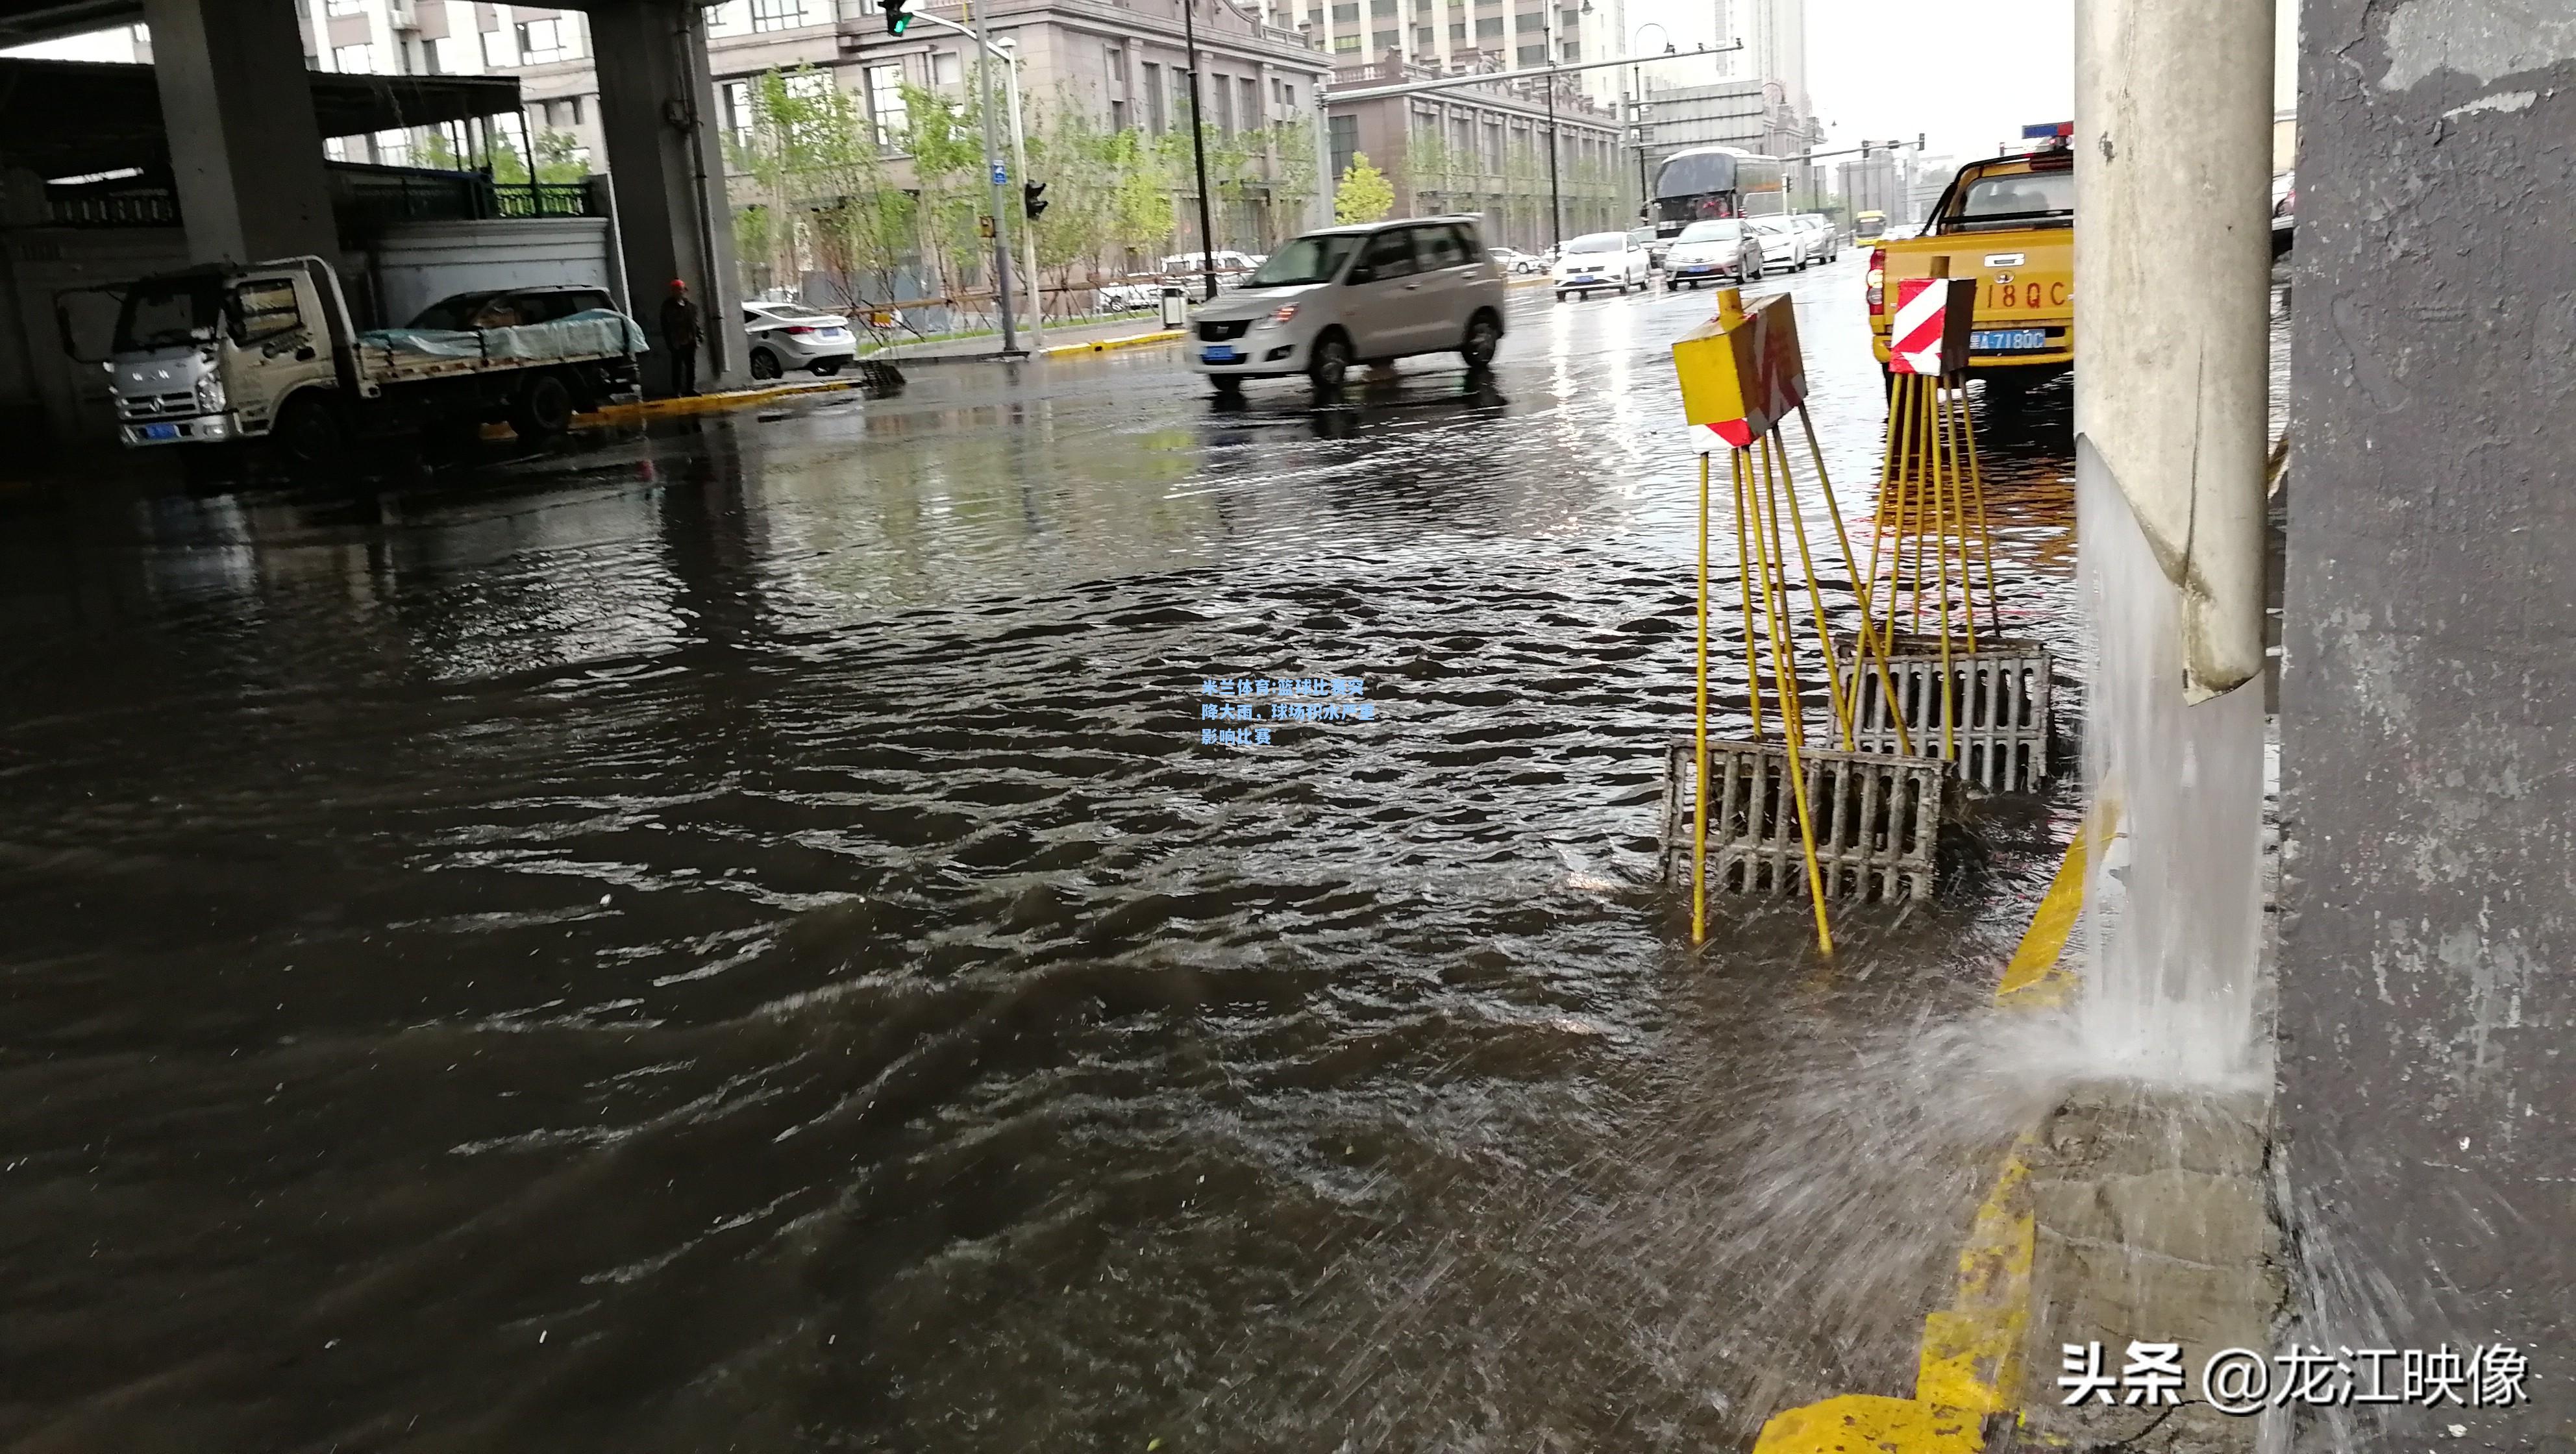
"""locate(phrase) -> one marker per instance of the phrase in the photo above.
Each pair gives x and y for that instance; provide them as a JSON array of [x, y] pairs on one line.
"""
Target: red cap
[[678, 286]]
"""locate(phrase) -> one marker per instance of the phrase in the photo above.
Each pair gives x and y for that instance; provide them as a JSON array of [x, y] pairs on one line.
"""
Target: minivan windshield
[[1599, 242], [168, 313], [1312, 259], [1726, 231]]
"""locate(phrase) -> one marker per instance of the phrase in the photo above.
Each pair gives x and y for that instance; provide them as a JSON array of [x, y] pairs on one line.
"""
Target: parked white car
[[1231, 266], [1784, 243], [1602, 262], [1824, 238], [787, 336], [1516, 261]]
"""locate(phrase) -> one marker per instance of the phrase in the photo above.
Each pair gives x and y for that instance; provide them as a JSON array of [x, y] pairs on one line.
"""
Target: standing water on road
[[730, 938]]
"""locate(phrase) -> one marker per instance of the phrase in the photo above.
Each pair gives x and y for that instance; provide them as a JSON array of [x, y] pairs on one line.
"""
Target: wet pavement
[[728, 937]]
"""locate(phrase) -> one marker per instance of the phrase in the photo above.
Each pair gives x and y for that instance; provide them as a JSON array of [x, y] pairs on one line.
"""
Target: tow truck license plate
[[2008, 340], [1218, 355], [160, 431]]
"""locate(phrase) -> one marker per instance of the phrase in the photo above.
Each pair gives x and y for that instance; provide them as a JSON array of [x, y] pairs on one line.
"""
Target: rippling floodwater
[[730, 940]]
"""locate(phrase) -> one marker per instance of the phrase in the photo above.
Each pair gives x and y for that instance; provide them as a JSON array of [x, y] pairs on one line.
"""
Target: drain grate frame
[[2002, 692], [1878, 820]]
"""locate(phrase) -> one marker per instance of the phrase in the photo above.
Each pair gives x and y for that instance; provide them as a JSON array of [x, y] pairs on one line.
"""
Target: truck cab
[[2008, 223], [213, 354]]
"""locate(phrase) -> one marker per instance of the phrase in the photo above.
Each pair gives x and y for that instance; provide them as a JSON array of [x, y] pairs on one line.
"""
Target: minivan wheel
[[1331, 361], [1483, 337]]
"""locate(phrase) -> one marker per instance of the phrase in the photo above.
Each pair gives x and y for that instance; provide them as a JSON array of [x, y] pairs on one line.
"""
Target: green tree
[[1364, 194], [560, 159], [1292, 176]]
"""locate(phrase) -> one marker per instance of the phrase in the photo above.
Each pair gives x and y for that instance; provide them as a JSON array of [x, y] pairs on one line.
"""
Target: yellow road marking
[[1970, 1365]]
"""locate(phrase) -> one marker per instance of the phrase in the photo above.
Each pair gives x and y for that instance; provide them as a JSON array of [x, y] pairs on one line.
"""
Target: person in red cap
[[680, 336]]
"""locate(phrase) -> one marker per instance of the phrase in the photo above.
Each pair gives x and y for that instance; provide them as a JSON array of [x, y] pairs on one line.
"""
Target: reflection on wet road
[[729, 938]]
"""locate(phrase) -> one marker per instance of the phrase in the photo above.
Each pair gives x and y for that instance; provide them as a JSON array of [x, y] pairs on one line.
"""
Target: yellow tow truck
[[2009, 223]]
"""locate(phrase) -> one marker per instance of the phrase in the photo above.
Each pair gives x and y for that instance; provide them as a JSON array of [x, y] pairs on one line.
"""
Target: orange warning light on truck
[[2007, 224]]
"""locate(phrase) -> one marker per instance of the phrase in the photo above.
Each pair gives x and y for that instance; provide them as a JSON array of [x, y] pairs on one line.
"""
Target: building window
[[1489, 27], [541, 41], [945, 70], [1385, 40], [735, 98], [1224, 103], [1529, 20], [343, 7], [1153, 81], [1381, 7], [885, 103], [1251, 104], [731, 18], [449, 57], [1423, 38], [1344, 133], [1457, 30], [1117, 116], [354, 60], [1347, 13], [777, 14], [1533, 55], [1571, 50], [1346, 42], [1118, 66]]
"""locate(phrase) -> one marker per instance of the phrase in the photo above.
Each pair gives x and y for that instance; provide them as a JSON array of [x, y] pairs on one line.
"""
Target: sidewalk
[[1061, 340]]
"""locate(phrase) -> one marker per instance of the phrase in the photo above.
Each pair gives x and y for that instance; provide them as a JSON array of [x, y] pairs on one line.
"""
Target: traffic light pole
[[1000, 189], [1028, 234], [1004, 51]]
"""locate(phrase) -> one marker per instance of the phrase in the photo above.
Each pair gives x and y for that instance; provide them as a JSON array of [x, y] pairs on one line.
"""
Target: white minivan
[[1602, 262]]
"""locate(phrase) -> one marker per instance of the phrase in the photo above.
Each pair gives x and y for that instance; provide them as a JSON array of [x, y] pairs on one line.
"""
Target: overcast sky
[[1970, 73]]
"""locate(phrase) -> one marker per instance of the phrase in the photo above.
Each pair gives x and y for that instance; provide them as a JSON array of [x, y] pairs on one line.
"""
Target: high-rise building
[[1464, 35], [1774, 33]]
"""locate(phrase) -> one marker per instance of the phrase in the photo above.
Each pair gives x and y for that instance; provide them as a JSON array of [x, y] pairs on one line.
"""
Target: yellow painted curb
[[1133, 340], [1970, 1364]]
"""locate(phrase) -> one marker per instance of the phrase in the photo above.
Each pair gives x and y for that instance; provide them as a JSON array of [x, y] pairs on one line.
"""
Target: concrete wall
[[37, 379], [2428, 954]]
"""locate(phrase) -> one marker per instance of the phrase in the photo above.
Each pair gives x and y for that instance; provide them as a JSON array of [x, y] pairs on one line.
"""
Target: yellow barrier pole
[[1926, 501], [1792, 715], [1888, 463], [1699, 776], [1954, 414], [1949, 706], [1841, 701], [1985, 537], [1864, 650], [1744, 580]]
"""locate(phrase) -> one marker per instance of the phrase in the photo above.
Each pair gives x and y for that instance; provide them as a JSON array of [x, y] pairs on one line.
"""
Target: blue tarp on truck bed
[[593, 334]]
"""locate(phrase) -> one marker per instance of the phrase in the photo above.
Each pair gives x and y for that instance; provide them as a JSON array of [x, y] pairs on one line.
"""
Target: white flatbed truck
[[267, 355]]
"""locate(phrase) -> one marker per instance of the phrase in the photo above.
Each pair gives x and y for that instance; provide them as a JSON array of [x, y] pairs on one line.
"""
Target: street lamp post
[[1198, 154], [1637, 111]]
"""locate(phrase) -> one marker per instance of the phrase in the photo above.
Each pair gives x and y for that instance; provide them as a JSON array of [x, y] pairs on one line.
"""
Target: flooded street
[[729, 937]]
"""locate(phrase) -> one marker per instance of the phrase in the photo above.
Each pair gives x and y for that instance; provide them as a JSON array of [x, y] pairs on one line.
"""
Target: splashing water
[[2173, 896]]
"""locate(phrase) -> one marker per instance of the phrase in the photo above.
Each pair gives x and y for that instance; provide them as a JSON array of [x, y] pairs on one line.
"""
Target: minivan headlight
[[1279, 315]]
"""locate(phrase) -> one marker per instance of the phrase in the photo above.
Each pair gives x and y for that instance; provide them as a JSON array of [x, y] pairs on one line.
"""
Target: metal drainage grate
[[1878, 820], [2000, 692]]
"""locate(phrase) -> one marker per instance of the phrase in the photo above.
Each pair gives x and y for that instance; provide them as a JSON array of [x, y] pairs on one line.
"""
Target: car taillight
[[800, 328], [1877, 279]]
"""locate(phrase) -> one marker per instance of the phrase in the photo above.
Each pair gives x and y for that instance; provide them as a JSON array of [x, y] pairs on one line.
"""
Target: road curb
[[1104, 345]]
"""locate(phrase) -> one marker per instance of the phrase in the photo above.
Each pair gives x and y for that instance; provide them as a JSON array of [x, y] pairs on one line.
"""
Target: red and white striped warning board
[[1929, 334]]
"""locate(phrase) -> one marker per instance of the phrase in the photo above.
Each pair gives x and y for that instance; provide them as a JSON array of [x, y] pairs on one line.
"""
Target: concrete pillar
[[238, 112], [658, 119], [2428, 700]]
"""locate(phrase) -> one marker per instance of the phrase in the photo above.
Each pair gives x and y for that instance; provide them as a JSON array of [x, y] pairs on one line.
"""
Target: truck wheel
[[545, 409], [308, 435]]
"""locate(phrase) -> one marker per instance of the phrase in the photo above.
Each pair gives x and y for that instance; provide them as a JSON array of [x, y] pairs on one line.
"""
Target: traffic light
[[1033, 199], [898, 16]]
